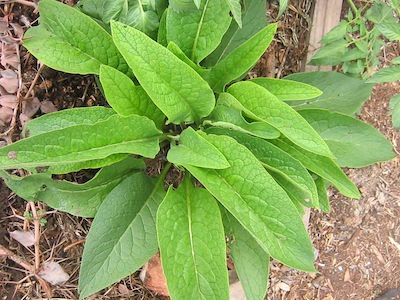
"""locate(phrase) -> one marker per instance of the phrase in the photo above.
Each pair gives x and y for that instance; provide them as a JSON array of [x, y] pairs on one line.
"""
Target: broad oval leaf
[[192, 244], [198, 32], [266, 107], [123, 236], [286, 90], [240, 60], [172, 85], [126, 98], [194, 150], [252, 196], [70, 41], [354, 143], [117, 134]]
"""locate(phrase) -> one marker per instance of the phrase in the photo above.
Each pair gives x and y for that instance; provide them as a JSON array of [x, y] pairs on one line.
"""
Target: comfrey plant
[[253, 153]]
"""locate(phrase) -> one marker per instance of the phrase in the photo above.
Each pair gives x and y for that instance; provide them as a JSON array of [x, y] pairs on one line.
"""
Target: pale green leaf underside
[[192, 244], [252, 196], [199, 32], [194, 150], [354, 143], [123, 235], [77, 199], [322, 166], [236, 10], [276, 160], [126, 98], [172, 85], [260, 103], [117, 134], [70, 41], [286, 90], [250, 260]]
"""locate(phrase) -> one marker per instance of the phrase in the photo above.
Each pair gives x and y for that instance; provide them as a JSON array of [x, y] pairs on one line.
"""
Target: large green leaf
[[192, 244], [341, 93], [198, 32], [276, 160], [388, 74], [123, 234], [194, 150], [117, 134], [172, 85], [250, 260], [354, 143], [240, 60], [259, 103], [322, 166], [126, 98], [77, 199], [231, 118], [286, 90], [252, 196], [253, 20], [70, 41]]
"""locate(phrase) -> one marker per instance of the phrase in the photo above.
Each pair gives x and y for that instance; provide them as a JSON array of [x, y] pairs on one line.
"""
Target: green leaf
[[77, 199], [388, 74], [320, 165], [183, 5], [145, 21], [341, 93], [394, 105], [236, 11], [192, 244], [195, 150], [162, 30], [117, 134], [66, 118], [258, 102], [240, 60], [123, 236], [126, 98], [182, 56], [172, 85], [253, 20], [198, 32], [70, 41], [286, 90], [231, 118], [276, 160], [250, 260], [322, 194], [337, 33], [282, 6], [252, 196], [330, 53], [396, 60], [354, 143], [105, 10]]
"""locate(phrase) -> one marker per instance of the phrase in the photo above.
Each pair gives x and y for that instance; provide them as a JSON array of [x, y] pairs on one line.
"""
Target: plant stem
[[352, 6]]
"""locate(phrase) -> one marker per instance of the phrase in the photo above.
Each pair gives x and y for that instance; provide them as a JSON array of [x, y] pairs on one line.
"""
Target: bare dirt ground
[[357, 244]]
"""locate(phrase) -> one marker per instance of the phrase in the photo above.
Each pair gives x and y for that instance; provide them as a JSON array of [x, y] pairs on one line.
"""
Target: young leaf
[[322, 166], [394, 105], [286, 90], [341, 93], [117, 134], [240, 60], [77, 199], [253, 20], [182, 56], [126, 98], [354, 143], [259, 103], [144, 20], [194, 150], [123, 233], [172, 85], [276, 160], [330, 53], [337, 33], [231, 118], [198, 32], [388, 74], [322, 194], [250, 260], [192, 244], [105, 10], [252, 196], [70, 41], [236, 11], [162, 30]]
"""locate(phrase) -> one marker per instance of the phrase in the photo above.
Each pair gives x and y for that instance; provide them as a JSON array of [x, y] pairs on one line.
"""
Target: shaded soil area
[[357, 244]]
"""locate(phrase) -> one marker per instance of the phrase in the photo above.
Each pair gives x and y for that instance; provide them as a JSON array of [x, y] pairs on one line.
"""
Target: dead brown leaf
[[53, 273], [25, 238], [10, 101], [6, 114], [47, 107]]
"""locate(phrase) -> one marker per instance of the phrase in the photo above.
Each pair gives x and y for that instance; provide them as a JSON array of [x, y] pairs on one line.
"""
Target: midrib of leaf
[[198, 30], [189, 214]]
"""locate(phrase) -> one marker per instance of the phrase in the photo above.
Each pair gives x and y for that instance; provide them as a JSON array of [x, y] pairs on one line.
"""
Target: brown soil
[[357, 244]]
